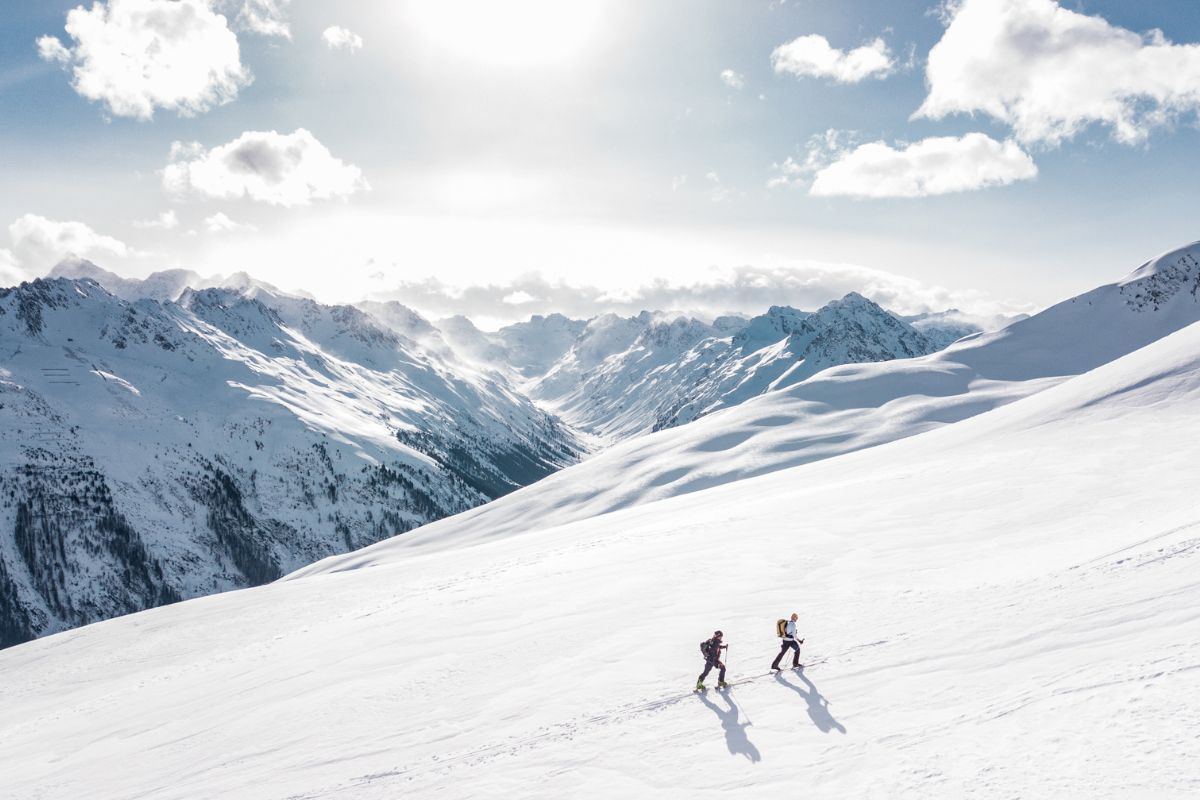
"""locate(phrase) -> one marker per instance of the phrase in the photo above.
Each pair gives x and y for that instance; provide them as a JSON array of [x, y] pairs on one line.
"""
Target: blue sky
[[605, 152]]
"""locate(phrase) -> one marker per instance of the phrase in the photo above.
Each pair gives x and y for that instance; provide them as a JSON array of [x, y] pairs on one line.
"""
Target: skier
[[711, 649], [790, 642]]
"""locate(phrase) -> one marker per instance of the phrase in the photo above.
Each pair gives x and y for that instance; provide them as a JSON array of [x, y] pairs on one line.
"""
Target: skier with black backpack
[[787, 631], [711, 650]]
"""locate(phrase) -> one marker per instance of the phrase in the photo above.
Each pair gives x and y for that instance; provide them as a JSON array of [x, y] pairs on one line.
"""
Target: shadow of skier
[[735, 732], [818, 706]]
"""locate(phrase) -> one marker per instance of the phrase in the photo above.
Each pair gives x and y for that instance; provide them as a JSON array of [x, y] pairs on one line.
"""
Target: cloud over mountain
[[39, 243], [744, 289]]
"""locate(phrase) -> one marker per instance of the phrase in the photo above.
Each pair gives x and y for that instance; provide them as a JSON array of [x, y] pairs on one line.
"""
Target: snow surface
[[853, 407], [1003, 607]]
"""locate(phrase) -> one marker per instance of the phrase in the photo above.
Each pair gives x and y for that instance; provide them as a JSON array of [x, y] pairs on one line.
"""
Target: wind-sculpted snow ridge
[[849, 408], [152, 451], [1004, 607]]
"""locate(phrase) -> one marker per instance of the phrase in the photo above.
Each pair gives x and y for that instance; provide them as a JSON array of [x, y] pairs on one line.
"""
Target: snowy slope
[[1004, 607], [944, 328], [857, 406], [154, 451]]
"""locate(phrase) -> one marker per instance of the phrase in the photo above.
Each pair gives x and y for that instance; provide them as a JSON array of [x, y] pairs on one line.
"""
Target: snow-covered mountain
[[1002, 607], [617, 377], [162, 286], [180, 435], [151, 451], [858, 406], [614, 377]]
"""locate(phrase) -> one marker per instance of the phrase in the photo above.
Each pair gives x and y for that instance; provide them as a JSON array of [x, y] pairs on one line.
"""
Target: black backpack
[[706, 648]]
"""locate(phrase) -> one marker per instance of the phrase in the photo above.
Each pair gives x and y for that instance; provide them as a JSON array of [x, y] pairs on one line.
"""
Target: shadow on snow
[[735, 731], [818, 706]]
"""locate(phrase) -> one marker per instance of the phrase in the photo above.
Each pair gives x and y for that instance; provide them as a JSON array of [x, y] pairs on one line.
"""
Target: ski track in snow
[[442, 769]]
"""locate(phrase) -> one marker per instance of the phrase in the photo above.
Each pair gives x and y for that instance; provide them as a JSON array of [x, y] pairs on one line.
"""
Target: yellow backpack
[[781, 628]]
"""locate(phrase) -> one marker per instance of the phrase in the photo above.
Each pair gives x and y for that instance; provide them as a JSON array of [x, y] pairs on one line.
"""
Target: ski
[[758, 676]]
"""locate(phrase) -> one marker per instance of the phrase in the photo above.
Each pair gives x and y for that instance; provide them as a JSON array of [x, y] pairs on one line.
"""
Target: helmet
[[717, 633]]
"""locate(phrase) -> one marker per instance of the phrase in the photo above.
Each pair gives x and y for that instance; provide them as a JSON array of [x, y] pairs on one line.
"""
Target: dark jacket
[[711, 649]]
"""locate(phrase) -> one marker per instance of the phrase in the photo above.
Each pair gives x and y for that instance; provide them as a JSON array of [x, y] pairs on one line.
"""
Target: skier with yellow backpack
[[786, 630]]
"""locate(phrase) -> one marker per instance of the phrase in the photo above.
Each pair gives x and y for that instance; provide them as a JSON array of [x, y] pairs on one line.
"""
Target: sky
[[498, 159]]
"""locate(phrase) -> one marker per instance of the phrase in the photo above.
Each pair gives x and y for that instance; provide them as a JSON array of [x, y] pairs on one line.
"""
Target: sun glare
[[509, 33]]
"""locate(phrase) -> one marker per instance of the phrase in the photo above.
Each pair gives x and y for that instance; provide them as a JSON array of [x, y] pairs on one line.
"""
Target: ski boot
[[722, 685], [700, 686]]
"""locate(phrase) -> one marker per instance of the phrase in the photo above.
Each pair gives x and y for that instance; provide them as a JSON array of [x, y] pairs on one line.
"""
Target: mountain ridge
[[856, 407], [155, 451]]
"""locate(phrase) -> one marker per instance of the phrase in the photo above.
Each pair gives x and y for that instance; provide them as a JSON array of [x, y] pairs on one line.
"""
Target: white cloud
[[10, 274], [51, 49], [167, 220], [746, 290], [934, 166], [788, 173], [823, 149], [281, 169], [813, 57], [1050, 72], [139, 55], [339, 38], [734, 80], [264, 17], [221, 223], [40, 243]]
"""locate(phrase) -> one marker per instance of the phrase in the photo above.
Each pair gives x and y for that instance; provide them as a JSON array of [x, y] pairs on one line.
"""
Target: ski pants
[[788, 644], [708, 665]]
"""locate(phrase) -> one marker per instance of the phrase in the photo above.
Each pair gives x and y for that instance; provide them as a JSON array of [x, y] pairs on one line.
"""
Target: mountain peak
[[74, 267], [1161, 280], [853, 301], [778, 322]]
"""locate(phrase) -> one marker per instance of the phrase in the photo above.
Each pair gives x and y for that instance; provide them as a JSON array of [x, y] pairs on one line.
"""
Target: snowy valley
[[176, 436], [155, 451]]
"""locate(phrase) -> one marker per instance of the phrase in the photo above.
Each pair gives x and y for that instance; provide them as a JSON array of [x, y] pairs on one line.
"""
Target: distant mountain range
[[846, 409], [175, 436]]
